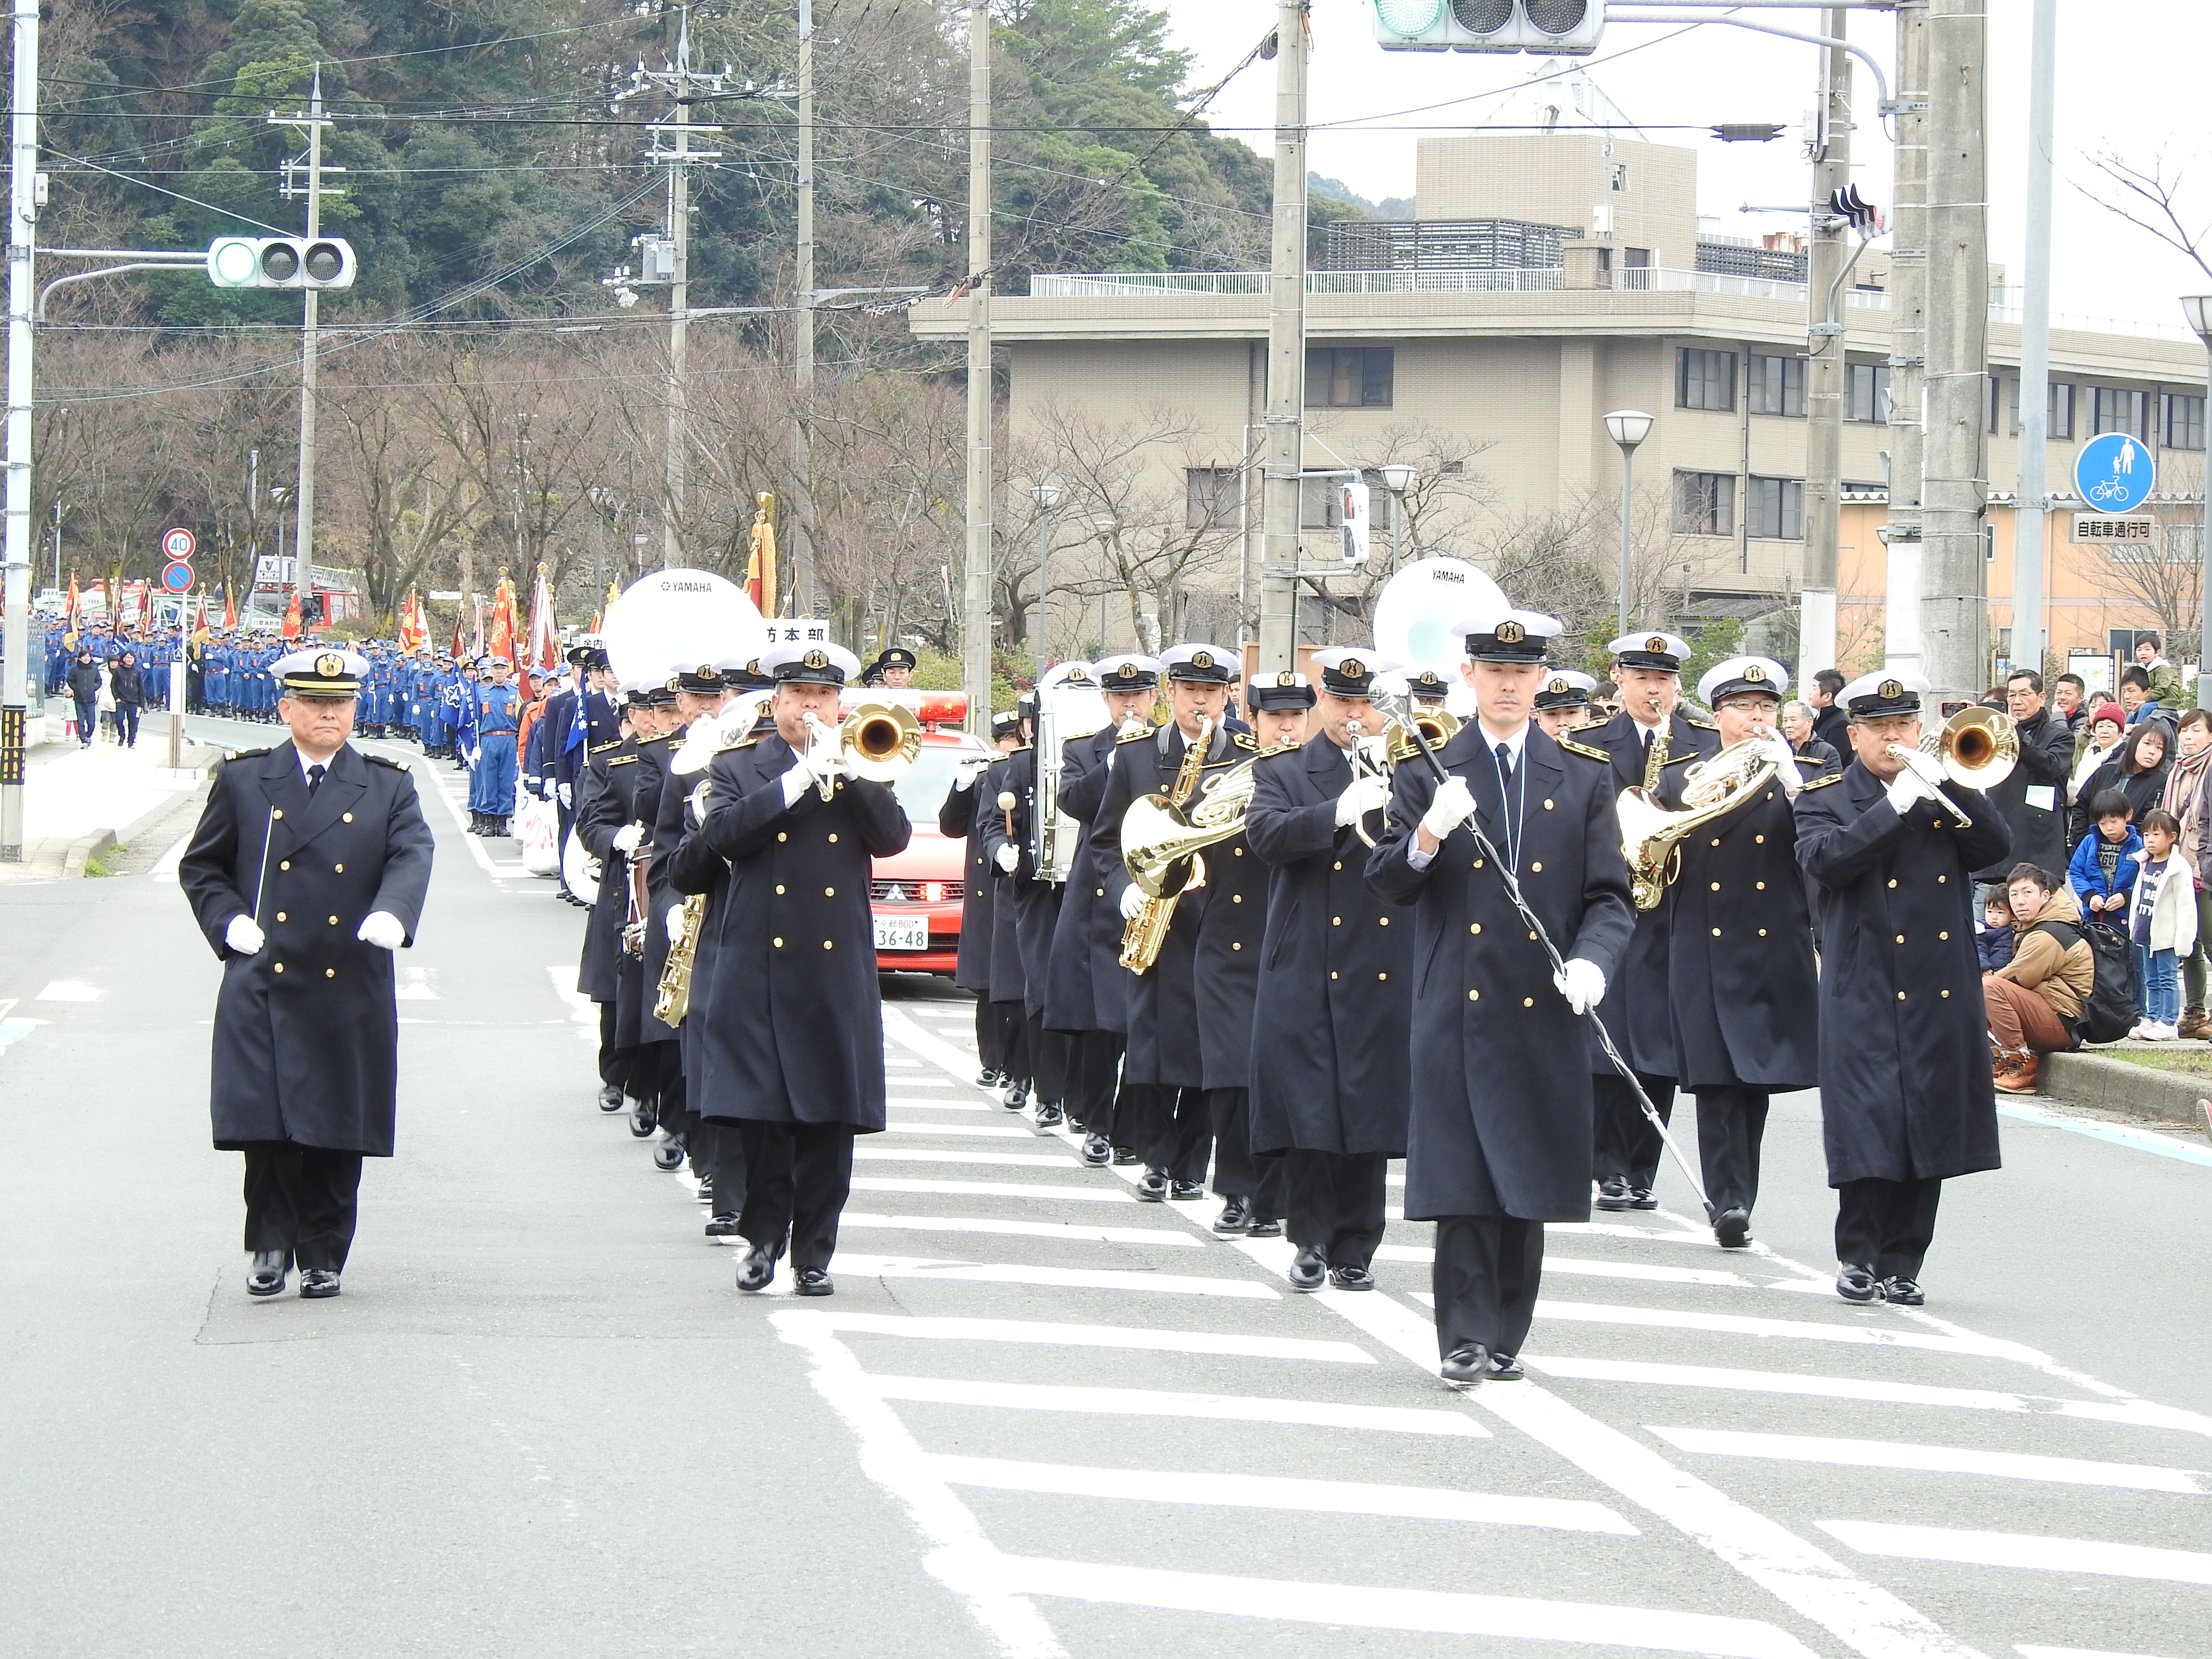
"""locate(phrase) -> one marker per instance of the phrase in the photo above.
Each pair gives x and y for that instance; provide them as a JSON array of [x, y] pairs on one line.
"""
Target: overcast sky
[[2131, 90]]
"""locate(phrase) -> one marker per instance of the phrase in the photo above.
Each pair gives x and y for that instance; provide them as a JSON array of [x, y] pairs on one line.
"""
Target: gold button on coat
[[334, 921], [828, 892], [283, 864], [280, 967], [825, 945], [833, 835], [329, 973], [1528, 1002], [779, 887], [1336, 922], [348, 817], [1475, 928], [337, 869], [280, 915], [777, 943], [1537, 868], [278, 813], [1900, 996], [1474, 996]]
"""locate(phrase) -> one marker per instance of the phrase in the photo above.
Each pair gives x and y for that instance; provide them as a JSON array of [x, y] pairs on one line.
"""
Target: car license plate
[[901, 933]]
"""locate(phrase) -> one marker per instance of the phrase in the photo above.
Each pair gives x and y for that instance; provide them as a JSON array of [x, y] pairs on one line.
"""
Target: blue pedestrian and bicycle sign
[[2114, 473]]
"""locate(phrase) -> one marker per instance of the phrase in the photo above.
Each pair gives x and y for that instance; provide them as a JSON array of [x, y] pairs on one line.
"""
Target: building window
[[2182, 419], [1211, 496], [1704, 503], [1866, 392], [2004, 406], [1775, 509], [1350, 376], [2116, 408], [1777, 385], [1705, 380], [2062, 411]]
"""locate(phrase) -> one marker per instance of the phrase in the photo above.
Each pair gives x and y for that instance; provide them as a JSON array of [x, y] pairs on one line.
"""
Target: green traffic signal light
[[1409, 17]]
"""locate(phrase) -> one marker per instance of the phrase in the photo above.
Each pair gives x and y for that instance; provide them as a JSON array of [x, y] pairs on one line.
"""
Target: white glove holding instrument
[[1364, 795], [675, 920], [1009, 856], [1581, 983], [566, 794], [1453, 806], [1134, 723], [383, 930], [1132, 902], [797, 780], [244, 935], [1776, 747], [1906, 791], [1926, 767], [627, 838]]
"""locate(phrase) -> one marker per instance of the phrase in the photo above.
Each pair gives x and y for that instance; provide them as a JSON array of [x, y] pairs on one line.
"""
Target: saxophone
[[1148, 931], [674, 1000]]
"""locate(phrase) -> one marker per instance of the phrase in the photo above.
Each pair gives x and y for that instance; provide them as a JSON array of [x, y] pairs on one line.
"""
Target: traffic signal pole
[[976, 572], [1283, 446], [23, 215], [303, 538], [1824, 370]]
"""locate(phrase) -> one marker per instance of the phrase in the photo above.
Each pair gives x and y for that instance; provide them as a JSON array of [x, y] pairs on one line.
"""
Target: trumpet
[[878, 741], [1977, 748]]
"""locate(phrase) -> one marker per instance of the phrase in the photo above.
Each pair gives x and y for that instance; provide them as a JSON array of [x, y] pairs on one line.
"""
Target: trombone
[[1977, 748], [878, 741]]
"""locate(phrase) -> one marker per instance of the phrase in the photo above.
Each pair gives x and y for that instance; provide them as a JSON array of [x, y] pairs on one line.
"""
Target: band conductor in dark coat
[[308, 869]]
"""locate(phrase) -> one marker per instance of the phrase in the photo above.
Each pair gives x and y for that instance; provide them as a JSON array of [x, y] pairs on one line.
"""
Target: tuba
[[1651, 835]]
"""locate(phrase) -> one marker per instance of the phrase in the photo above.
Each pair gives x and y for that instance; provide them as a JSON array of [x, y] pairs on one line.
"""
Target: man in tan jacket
[[2034, 1001]]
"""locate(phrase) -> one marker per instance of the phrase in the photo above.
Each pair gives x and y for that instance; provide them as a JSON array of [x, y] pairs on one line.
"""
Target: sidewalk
[[79, 802]]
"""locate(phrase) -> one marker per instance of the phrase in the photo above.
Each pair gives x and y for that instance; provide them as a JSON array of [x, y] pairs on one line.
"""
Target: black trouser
[[1334, 1204], [1731, 1123], [1013, 1040], [798, 1177], [1627, 1145], [127, 722], [1887, 1225], [302, 1201], [717, 1156], [1052, 1058], [1169, 1127], [990, 1037], [1486, 1273], [1097, 1070], [612, 1068], [1237, 1173]]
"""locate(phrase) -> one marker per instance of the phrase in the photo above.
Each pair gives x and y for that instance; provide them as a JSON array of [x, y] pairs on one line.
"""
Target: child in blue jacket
[[2103, 870]]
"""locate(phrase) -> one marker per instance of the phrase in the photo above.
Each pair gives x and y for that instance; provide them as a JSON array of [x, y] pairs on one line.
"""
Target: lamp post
[[1048, 498], [1627, 427], [2197, 307], [1397, 478]]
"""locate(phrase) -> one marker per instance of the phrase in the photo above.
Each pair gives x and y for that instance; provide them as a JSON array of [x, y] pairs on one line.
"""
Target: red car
[[916, 895]]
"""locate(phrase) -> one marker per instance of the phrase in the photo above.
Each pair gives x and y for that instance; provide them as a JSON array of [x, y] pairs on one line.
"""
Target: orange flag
[[230, 608], [291, 629], [503, 623], [544, 651]]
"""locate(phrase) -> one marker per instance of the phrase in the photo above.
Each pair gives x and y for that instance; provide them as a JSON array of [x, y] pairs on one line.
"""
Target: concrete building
[[1517, 364]]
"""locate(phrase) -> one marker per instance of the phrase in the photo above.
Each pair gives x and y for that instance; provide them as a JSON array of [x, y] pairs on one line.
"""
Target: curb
[[101, 843], [2089, 1079]]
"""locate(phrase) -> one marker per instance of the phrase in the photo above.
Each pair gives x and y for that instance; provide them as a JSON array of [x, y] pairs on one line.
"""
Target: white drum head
[[1415, 612]]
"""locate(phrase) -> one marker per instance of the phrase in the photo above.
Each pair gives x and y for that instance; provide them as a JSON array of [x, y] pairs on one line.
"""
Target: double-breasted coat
[[1635, 1007], [1004, 982], [1502, 1115], [1086, 989], [599, 963], [306, 1029], [1036, 902], [794, 1029], [1330, 1039], [1905, 1090], [962, 816], [1230, 937]]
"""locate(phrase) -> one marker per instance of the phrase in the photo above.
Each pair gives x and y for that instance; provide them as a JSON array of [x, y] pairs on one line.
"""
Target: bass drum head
[[580, 870], [1415, 612]]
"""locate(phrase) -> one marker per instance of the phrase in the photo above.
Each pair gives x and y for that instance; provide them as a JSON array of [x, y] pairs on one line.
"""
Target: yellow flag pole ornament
[[760, 570]]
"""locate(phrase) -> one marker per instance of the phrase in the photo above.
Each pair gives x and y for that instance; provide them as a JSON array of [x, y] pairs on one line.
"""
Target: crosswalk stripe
[[908, 1104], [1928, 1460], [1272, 1491], [1442, 1613], [995, 1190], [1747, 1382], [1808, 1330], [1588, 1269], [1073, 1232], [1024, 1160], [2030, 1650], [2014, 1549], [996, 1131], [1052, 1334], [1161, 1402], [1015, 1273]]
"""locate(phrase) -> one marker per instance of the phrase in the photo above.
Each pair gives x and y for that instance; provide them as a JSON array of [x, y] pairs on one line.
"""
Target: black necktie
[[1504, 763], [314, 781]]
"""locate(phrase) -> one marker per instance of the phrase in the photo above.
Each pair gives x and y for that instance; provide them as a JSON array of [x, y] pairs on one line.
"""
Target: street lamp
[[2197, 307], [1397, 478], [1048, 498], [1627, 427]]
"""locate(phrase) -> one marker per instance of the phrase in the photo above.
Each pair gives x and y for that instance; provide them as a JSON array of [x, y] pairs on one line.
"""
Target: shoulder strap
[[2065, 932]]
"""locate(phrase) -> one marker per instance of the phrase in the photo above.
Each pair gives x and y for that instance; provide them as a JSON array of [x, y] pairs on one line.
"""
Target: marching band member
[[1564, 701], [1007, 990], [1500, 1130], [1330, 1040], [1907, 1099], [962, 816], [603, 800]]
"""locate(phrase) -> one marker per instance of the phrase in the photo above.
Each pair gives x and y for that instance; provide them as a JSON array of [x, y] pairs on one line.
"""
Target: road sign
[[2114, 473], [179, 544], [177, 576], [2105, 527]]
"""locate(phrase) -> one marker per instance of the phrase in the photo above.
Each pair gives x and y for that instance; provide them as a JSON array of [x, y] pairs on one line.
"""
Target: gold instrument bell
[[1651, 835]]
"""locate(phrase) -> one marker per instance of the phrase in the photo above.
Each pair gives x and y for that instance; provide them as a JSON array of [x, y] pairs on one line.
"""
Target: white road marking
[[1826, 1388], [1808, 1330], [1003, 1160], [1073, 1231], [1429, 1612], [1588, 1269], [2029, 1650], [582, 1009], [897, 1105], [994, 1189], [165, 867], [2118, 1134], [1015, 1273], [1051, 1333], [1930, 1460], [2016, 1549], [1159, 1402], [1271, 1491], [70, 990], [996, 1131], [461, 822]]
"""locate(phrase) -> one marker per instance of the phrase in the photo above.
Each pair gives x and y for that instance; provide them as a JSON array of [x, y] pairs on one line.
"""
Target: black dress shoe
[[1049, 1117], [988, 1078], [1504, 1368], [1016, 1098], [722, 1226], [668, 1155], [1151, 1186], [1308, 1271], [811, 1281], [1270, 1229], [1097, 1152], [1905, 1292], [1123, 1155], [266, 1277], [1465, 1367], [316, 1283], [1236, 1218], [1858, 1284], [611, 1098], [1642, 1197], [757, 1269], [1732, 1231], [1186, 1192], [644, 1118], [1350, 1278], [1613, 1193]]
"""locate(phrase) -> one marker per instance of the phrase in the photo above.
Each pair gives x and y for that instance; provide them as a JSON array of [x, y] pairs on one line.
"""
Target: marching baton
[[1394, 708], [262, 881]]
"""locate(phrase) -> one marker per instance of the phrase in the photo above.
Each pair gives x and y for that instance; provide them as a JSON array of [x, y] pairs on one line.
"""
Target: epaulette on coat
[[1588, 751], [1821, 782], [247, 754], [1137, 736], [384, 760]]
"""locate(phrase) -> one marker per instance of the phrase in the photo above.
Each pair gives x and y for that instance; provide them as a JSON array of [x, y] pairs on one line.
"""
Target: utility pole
[[976, 634], [1908, 344], [1283, 451], [23, 182], [303, 538], [1825, 359], [2028, 534], [802, 422], [1954, 495]]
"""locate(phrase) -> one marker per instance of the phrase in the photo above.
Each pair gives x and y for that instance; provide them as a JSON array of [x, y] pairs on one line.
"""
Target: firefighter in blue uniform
[[496, 707]]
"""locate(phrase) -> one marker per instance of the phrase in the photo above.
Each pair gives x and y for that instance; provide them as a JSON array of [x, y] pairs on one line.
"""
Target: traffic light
[[1352, 497], [317, 262], [1564, 29], [313, 609]]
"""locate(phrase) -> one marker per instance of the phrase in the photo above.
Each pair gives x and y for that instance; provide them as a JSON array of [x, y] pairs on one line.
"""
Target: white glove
[[383, 930], [797, 780], [1906, 791], [1364, 795], [675, 920], [1775, 748], [627, 838], [471, 759], [1925, 767], [1132, 902], [1582, 983], [1134, 723], [1009, 856], [565, 794], [244, 935], [1452, 807]]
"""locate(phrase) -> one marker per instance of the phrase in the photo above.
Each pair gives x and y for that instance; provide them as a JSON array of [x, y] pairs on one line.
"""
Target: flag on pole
[[544, 650], [68, 634], [291, 629], [502, 623], [230, 608], [200, 617], [760, 570], [413, 632], [461, 639]]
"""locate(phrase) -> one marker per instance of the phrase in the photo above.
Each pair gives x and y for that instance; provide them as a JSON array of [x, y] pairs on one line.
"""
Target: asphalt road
[[1037, 1417]]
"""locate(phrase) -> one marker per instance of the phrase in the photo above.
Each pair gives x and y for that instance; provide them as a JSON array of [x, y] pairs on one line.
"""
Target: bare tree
[[2148, 197]]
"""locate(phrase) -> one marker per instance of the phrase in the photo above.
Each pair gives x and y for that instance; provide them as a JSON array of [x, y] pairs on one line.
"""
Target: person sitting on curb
[[2034, 1001]]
